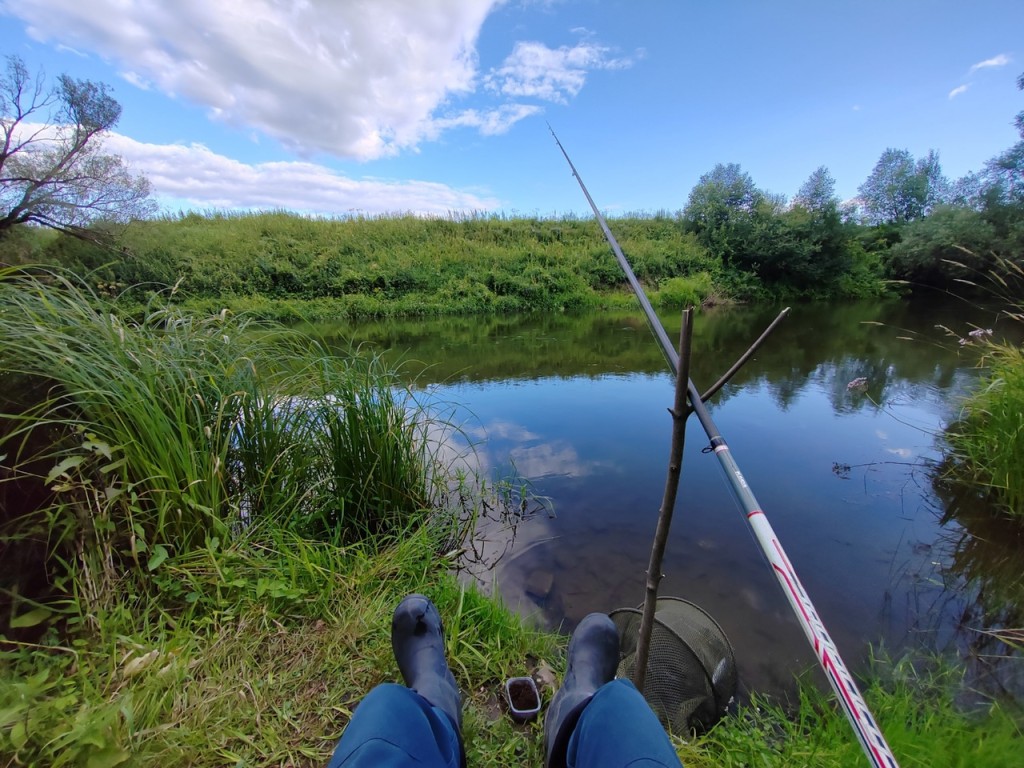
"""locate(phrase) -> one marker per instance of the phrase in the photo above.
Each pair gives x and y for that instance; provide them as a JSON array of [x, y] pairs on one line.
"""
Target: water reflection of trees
[[894, 344]]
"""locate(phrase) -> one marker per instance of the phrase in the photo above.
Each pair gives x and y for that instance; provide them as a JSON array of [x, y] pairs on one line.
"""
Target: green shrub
[[680, 292], [404, 264]]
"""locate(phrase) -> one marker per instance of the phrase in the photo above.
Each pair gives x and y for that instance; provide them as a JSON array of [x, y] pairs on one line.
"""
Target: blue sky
[[436, 106]]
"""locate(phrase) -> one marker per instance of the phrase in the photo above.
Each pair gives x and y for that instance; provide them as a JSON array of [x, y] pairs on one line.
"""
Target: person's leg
[[394, 726], [416, 724], [617, 729], [595, 721], [591, 660], [417, 639]]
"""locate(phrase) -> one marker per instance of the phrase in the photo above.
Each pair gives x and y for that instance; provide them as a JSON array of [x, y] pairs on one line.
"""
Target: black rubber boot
[[592, 660], [417, 638]]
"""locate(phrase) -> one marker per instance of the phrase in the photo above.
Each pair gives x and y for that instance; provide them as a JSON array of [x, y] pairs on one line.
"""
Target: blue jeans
[[395, 727]]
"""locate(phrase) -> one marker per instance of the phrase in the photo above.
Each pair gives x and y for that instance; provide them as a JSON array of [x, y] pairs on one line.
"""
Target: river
[[574, 410]]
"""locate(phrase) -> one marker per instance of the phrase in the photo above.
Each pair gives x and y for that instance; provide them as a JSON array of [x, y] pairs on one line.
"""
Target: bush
[[950, 245], [681, 292]]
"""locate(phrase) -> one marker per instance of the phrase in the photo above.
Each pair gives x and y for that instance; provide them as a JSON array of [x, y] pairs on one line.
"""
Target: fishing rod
[[868, 733]]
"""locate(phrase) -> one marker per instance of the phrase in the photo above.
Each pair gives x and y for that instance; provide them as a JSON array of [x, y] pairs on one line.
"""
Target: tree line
[[908, 222]]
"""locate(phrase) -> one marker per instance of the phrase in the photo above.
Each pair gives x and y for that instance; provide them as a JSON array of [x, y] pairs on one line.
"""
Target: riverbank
[[286, 266], [987, 444], [190, 618], [271, 679], [205, 528]]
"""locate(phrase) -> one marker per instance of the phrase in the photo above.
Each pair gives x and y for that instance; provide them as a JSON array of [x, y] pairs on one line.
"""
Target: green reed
[[174, 429], [988, 441]]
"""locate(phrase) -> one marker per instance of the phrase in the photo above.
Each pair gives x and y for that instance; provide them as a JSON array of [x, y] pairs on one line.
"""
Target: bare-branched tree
[[53, 170]]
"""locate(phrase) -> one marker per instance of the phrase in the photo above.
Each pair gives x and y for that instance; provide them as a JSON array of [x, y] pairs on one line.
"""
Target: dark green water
[[576, 406]]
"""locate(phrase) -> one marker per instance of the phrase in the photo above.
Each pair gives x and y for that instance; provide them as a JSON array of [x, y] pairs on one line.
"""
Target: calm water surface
[[576, 407]]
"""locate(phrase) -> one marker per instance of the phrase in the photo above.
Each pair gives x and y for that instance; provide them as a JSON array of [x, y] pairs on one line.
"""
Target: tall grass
[[174, 430], [988, 441], [234, 513]]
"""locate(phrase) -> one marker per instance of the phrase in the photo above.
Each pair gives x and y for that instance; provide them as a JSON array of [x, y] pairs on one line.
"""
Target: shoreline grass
[[229, 516], [987, 443], [264, 669]]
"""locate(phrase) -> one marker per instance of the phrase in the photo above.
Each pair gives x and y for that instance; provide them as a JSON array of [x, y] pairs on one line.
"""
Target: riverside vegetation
[[283, 266], [987, 444], [207, 524]]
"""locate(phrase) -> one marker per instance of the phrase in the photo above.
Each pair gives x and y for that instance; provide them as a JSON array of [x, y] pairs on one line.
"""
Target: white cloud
[[490, 122], [507, 430], [958, 90], [551, 74], [200, 177], [359, 79], [556, 459], [72, 51], [903, 453], [996, 61]]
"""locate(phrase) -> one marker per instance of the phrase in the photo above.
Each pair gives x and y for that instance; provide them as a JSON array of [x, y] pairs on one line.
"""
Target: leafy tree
[[1019, 119], [1004, 174], [53, 171], [952, 244], [968, 191], [805, 247], [720, 211], [901, 190], [818, 193], [723, 191]]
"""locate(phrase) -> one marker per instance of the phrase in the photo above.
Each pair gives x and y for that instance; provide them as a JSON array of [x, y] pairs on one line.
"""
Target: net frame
[[691, 668]]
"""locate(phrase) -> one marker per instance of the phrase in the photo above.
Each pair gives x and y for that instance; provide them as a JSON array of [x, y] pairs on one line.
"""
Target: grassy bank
[[264, 668], [987, 443], [287, 266], [226, 515]]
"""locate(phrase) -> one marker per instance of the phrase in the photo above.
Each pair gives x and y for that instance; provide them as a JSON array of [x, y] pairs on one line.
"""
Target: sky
[[441, 107]]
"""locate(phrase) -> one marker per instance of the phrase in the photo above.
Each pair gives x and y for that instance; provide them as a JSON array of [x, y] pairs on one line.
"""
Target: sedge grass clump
[[173, 430], [988, 442]]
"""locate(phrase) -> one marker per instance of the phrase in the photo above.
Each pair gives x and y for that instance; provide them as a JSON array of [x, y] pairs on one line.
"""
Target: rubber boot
[[417, 638], [592, 660]]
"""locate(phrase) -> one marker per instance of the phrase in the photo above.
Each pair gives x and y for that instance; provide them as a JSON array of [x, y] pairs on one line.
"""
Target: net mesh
[[691, 669]]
